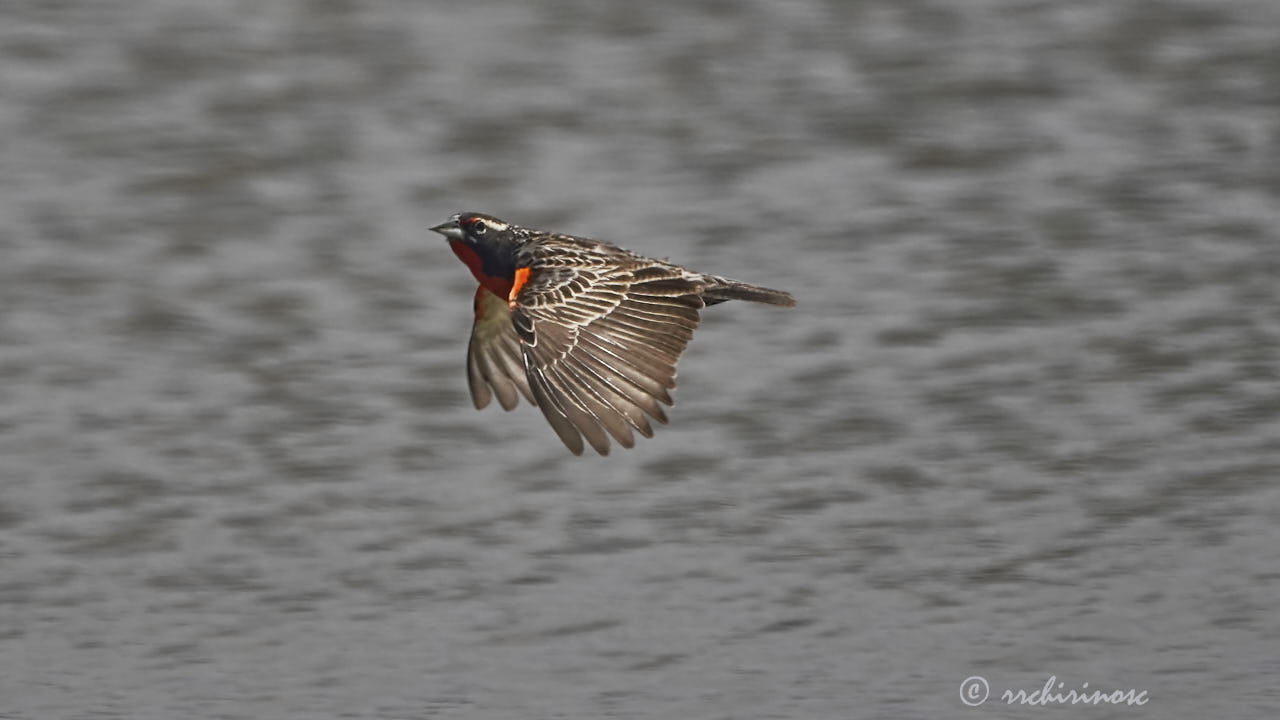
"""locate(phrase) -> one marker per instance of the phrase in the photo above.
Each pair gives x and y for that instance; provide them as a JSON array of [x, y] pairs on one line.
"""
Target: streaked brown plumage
[[588, 332]]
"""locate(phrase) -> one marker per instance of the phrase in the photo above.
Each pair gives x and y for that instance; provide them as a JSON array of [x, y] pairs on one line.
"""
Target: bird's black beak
[[449, 229]]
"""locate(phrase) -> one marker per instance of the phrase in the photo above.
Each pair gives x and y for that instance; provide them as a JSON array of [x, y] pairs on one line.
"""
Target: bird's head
[[474, 228]]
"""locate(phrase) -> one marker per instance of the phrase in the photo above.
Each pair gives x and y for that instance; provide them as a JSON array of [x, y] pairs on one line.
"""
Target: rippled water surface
[[1025, 421]]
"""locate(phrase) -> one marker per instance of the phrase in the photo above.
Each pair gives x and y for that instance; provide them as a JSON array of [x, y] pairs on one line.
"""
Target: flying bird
[[587, 331]]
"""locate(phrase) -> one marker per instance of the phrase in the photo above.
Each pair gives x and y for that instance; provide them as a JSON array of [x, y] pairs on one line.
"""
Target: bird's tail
[[718, 289]]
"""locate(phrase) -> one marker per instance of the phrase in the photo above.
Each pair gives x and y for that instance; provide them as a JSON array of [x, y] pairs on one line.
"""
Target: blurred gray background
[[1024, 422]]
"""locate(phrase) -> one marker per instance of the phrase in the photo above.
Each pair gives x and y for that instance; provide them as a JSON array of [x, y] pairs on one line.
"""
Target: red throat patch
[[500, 286]]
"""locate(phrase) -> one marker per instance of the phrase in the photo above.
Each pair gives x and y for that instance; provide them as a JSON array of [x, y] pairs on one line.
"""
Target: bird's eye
[[479, 227]]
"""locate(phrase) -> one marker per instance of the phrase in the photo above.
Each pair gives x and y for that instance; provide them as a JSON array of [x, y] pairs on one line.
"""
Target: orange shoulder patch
[[522, 277]]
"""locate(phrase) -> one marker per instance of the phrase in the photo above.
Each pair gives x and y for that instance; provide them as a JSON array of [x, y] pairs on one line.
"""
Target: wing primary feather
[[581, 419], [475, 378], [490, 360], [642, 396], [651, 364], [555, 415], [512, 367], [619, 329], [494, 365], [612, 393], [596, 416], [638, 376], [613, 410]]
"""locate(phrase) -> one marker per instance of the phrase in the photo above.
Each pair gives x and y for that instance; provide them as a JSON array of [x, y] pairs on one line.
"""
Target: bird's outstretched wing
[[600, 341], [493, 356]]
